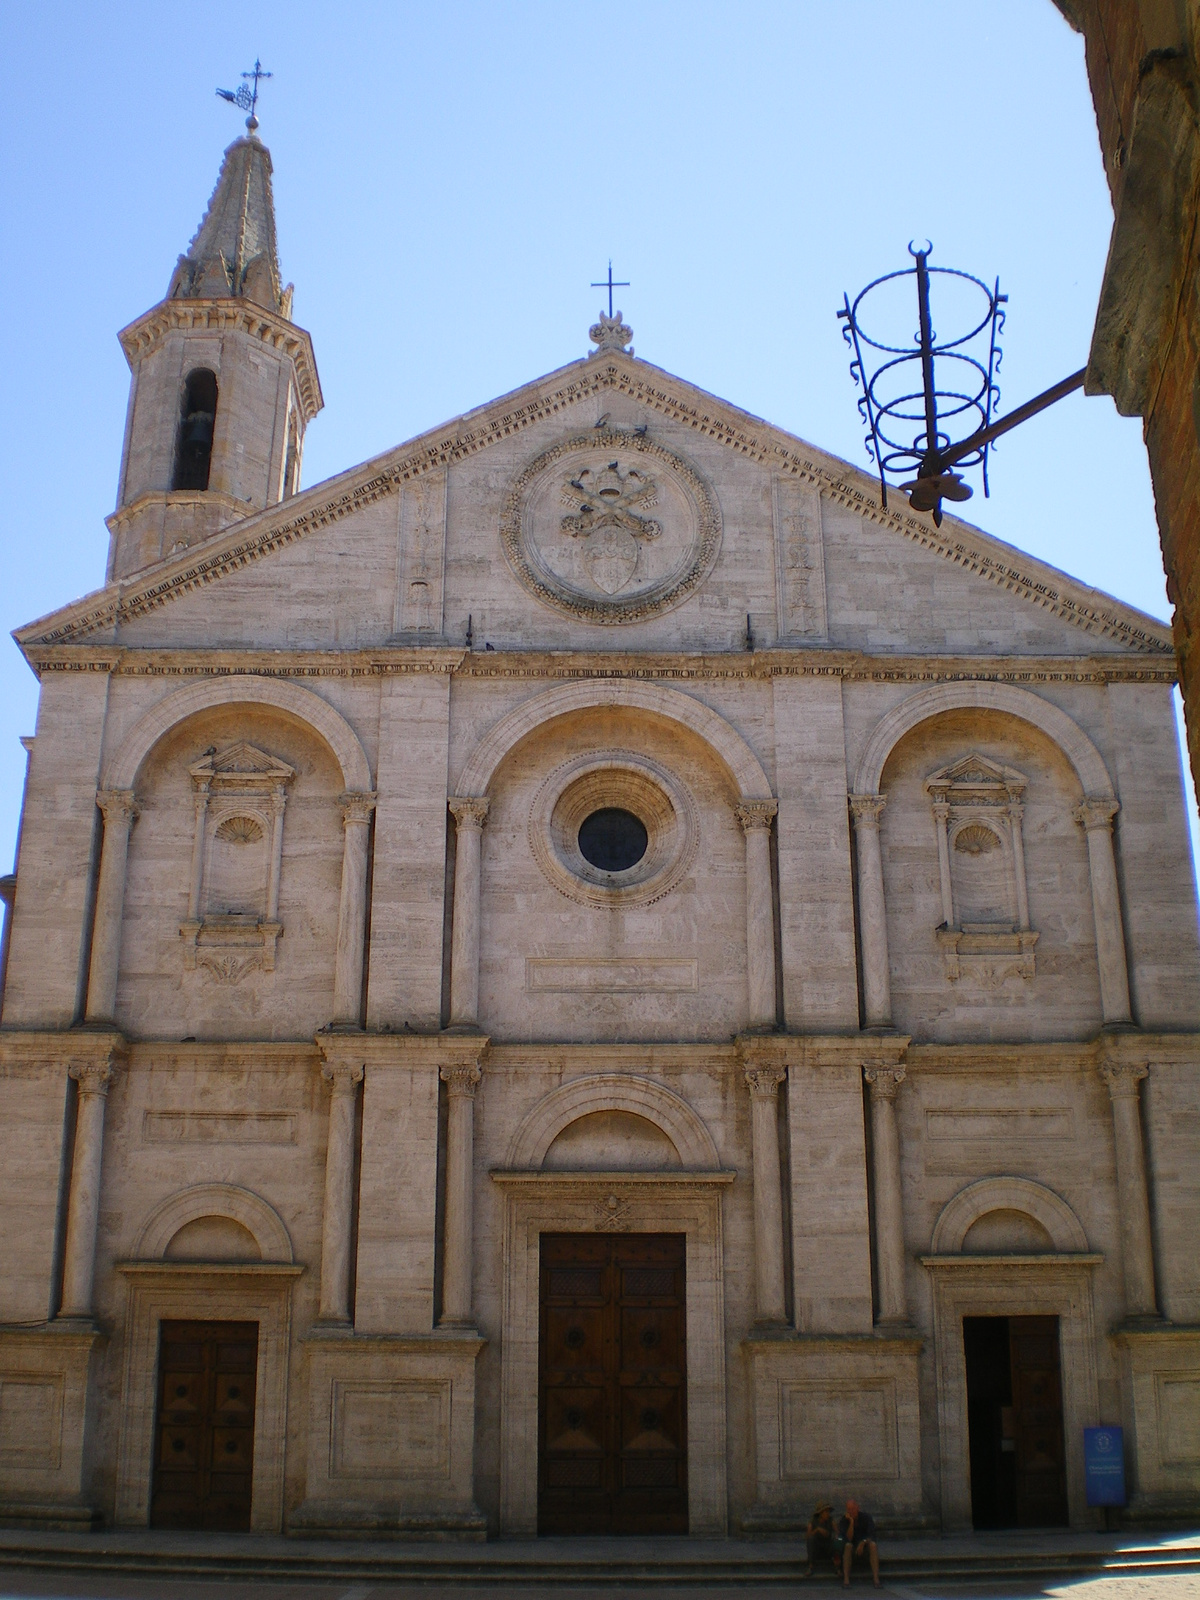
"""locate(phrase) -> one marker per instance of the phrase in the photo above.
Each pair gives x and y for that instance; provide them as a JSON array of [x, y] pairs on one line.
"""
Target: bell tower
[[224, 383]]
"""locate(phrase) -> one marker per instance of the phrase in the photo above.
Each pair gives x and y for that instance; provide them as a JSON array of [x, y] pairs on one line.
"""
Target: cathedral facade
[[582, 976]]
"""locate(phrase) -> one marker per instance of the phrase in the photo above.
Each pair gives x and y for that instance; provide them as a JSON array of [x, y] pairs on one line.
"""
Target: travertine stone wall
[[408, 881], [1158, 905], [816, 908], [33, 1130], [59, 835], [831, 1244]]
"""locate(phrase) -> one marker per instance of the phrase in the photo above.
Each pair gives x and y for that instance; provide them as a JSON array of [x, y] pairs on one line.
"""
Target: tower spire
[[234, 251]]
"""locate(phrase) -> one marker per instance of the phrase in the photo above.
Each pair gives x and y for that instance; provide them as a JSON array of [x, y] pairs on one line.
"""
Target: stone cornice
[[229, 314], [85, 1048], [541, 666], [121, 518], [19, 1047], [412, 1051], [465, 436]]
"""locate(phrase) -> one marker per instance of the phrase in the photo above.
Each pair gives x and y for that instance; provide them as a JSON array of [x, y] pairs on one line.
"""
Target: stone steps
[[591, 1562]]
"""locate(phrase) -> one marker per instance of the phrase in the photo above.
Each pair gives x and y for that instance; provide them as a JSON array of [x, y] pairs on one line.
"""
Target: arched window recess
[[198, 416]]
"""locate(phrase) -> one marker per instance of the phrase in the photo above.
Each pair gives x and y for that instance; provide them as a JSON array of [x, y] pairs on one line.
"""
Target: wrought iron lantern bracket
[[957, 384]]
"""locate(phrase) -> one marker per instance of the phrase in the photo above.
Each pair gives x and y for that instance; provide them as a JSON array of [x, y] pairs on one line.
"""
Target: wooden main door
[[204, 1437], [612, 1396]]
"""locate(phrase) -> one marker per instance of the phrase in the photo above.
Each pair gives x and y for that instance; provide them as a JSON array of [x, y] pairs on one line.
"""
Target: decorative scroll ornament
[[578, 533]]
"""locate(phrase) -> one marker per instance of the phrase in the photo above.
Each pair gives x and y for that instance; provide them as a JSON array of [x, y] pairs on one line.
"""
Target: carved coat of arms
[[610, 526], [607, 515]]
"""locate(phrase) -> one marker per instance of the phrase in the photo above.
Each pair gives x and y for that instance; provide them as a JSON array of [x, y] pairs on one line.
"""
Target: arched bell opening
[[198, 416]]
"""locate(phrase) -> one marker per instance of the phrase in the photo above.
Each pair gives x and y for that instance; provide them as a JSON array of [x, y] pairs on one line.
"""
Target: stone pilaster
[[120, 809], [93, 1078], [343, 1077], [461, 1079], [352, 910], [755, 817], [887, 1198], [872, 912], [1096, 816], [763, 1080], [470, 814], [1137, 1245]]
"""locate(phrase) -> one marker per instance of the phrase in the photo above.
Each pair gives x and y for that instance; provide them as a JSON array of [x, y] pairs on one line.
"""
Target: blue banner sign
[[1104, 1466]]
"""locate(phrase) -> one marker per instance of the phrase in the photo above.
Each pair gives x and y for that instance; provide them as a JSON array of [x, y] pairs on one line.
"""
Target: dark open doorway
[[1015, 1422]]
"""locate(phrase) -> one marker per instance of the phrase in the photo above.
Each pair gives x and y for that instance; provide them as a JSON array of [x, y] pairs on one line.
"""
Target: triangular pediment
[[976, 773], [241, 762], [581, 385]]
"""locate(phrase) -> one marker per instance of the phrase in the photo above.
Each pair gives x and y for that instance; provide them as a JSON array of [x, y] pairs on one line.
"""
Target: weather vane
[[245, 96], [607, 283], [957, 380]]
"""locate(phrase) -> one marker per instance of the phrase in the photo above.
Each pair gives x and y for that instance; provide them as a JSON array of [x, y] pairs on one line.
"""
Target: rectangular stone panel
[[611, 975], [31, 1410], [390, 1430], [218, 1127], [839, 1430], [1178, 1396], [993, 1127]]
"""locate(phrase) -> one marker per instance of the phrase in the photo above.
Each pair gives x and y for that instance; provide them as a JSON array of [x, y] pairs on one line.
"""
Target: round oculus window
[[613, 839]]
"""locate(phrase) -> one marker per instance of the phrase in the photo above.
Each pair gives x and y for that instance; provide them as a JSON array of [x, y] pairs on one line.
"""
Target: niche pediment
[[977, 810], [233, 905], [240, 763]]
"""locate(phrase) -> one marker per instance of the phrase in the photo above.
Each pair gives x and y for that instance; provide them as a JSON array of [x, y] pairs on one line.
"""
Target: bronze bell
[[199, 429]]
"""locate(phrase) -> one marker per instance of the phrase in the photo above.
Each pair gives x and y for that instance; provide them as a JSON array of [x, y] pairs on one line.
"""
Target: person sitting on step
[[818, 1537], [857, 1529]]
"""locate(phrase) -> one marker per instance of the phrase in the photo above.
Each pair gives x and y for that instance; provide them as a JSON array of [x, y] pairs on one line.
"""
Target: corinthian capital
[[342, 1076], [1123, 1077], [755, 813], [118, 806], [1097, 811], [866, 809], [357, 806], [763, 1082], [884, 1082], [93, 1077], [469, 811], [461, 1078]]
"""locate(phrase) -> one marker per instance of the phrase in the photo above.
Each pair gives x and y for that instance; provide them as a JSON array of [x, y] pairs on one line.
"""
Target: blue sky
[[448, 180]]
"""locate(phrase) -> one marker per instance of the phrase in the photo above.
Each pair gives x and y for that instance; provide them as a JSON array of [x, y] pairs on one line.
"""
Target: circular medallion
[[610, 527]]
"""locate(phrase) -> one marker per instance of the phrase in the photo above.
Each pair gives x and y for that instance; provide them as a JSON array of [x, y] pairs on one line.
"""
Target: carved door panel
[[204, 1436], [1038, 1422], [612, 1416]]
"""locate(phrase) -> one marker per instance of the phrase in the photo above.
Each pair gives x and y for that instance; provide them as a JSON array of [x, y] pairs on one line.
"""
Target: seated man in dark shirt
[[857, 1528], [818, 1536]]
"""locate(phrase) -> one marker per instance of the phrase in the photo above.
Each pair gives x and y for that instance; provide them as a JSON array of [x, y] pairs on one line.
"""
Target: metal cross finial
[[608, 283], [247, 98]]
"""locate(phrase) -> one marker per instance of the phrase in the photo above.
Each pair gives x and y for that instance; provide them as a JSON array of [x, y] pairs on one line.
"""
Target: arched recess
[[1007, 1194], [242, 688], [1057, 725], [613, 1091], [741, 763], [214, 1200]]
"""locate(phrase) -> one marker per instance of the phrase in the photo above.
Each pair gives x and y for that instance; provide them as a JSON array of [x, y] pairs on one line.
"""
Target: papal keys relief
[[610, 527]]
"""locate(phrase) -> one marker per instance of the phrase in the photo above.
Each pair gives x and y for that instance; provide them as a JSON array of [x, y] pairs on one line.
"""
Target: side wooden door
[[1038, 1422], [204, 1437], [612, 1413]]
